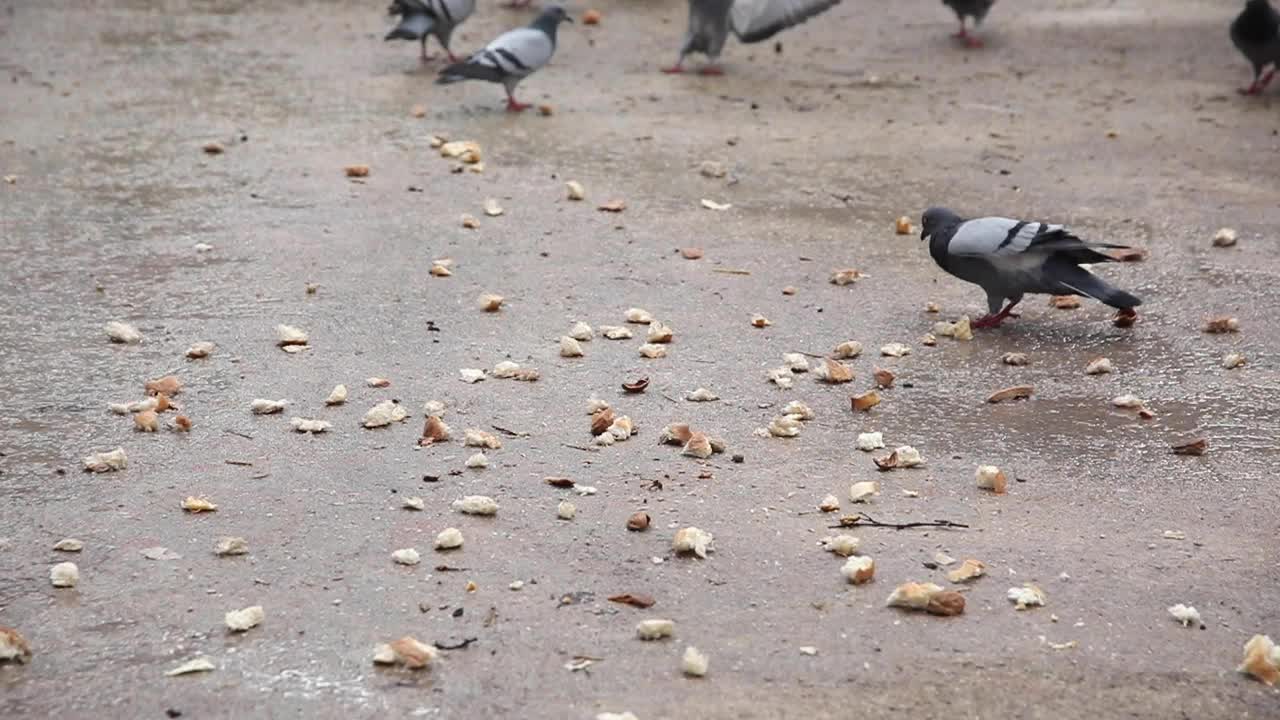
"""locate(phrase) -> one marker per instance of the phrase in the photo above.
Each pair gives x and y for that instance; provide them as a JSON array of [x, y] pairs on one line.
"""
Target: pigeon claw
[[673, 70], [986, 321], [972, 42], [711, 70], [515, 106]]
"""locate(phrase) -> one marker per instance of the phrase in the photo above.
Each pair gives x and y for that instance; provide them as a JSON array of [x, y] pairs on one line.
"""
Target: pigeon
[[1256, 32], [420, 19], [515, 55], [751, 20], [976, 9], [1009, 258]]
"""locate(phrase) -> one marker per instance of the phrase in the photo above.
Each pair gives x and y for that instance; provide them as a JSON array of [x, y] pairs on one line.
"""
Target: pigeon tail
[[458, 72], [1083, 282]]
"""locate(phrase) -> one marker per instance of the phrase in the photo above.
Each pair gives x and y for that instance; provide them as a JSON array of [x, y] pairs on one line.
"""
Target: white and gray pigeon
[[1256, 32], [976, 9], [513, 56], [421, 19], [710, 22], [1009, 258]]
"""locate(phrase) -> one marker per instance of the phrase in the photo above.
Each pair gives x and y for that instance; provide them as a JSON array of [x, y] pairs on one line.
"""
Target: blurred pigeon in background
[[1009, 258], [515, 55], [751, 20], [420, 19], [1256, 32], [976, 9]]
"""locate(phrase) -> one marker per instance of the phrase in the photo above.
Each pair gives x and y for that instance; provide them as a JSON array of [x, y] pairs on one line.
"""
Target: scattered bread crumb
[[1187, 615], [337, 396], [123, 333], [476, 505], [842, 545], [1027, 596], [385, 413], [310, 425], [992, 478], [406, 556], [106, 461], [694, 663], [859, 570], [200, 350], [64, 574], [655, 629], [1261, 660], [449, 539], [870, 441], [861, 492], [691, 539], [1099, 366], [242, 620], [970, 569]]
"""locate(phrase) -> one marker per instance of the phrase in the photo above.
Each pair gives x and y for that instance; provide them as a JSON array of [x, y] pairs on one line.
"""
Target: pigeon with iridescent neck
[[513, 56], [1010, 258]]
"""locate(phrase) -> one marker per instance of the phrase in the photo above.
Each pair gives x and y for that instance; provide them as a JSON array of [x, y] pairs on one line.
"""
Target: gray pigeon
[[420, 19], [515, 55], [751, 20], [976, 9], [1009, 258], [1256, 32]]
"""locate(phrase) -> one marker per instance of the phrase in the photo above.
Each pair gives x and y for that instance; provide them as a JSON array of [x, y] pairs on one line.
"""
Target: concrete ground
[[1119, 117]]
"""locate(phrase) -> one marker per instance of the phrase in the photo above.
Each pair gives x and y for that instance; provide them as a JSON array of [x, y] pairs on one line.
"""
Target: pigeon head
[[936, 218], [554, 15]]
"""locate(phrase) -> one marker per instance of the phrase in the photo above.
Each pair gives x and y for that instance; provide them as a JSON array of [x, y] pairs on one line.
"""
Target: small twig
[[455, 646], [238, 434], [242, 463], [512, 433], [669, 398], [731, 271], [580, 447], [865, 520], [812, 355]]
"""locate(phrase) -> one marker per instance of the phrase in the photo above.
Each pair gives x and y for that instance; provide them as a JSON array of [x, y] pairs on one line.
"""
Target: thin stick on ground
[[865, 520]]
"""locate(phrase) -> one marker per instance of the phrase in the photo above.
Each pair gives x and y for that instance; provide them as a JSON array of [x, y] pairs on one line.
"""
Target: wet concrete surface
[[869, 113]]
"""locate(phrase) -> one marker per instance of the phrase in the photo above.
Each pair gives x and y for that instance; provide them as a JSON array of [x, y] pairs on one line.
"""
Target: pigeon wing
[[999, 237], [517, 52], [756, 20]]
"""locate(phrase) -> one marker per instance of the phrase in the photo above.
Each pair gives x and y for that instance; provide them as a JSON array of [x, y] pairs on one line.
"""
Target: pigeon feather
[[756, 20]]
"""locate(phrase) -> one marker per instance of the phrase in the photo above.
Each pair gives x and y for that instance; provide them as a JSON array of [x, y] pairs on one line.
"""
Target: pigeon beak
[[924, 234], [569, 19]]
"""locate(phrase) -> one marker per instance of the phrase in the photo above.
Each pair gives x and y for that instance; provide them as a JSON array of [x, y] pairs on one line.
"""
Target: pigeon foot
[[715, 70], [673, 70], [514, 106]]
